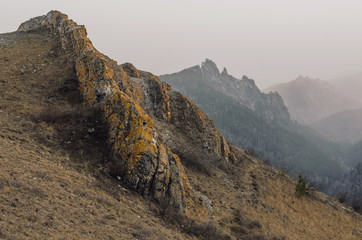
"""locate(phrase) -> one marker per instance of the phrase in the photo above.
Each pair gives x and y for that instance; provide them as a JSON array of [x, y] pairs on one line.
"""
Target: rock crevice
[[130, 100]]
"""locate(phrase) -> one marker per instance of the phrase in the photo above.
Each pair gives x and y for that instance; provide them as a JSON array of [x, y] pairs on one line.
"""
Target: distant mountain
[[309, 100], [242, 91], [81, 134], [343, 127], [350, 86], [244, 124]]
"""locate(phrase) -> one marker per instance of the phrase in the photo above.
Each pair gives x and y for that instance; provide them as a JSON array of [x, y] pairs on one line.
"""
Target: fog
[[269, 41]]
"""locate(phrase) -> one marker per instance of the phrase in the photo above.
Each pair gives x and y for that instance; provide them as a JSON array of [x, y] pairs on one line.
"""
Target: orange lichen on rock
[[127, 98], [165, 88], [129, 126]]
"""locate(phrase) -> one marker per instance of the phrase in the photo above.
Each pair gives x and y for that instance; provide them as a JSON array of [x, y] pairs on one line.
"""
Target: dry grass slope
[[54, 182], [50, 185]]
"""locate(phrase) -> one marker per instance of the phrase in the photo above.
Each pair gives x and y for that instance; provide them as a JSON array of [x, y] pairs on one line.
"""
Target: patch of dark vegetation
[[76, 124], [342, 196], [202, 161], [250, 151], [196, 158], [114, 168], [69, 90], [243, 228], [267, 161], [209, 230], [80, 130], [357, 205], [300, 187]]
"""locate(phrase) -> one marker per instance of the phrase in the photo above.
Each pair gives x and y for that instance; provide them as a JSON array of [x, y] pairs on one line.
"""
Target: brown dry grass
[[50, 186], [260, 199], [53, 184]]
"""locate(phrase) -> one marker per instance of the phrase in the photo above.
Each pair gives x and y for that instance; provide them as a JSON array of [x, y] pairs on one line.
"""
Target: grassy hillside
[[51, 183], [55, 182]]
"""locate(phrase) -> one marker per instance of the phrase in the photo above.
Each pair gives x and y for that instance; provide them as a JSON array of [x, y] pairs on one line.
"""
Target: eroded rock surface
[[140, 111]]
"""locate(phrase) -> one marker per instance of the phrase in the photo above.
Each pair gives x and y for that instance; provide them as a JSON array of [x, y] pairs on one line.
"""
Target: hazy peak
[[312, 99], [242, 91], [209, 66], [307, 78], [249, 80], [224, 71]]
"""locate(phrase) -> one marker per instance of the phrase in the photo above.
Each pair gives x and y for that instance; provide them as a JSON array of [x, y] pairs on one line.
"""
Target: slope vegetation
[[52, 151], [355, 153], [59, 177], [284, 143], [343, 127]]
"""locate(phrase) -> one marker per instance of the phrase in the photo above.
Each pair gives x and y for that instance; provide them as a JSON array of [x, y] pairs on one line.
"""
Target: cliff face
[[144, 117], [55, 151], [244, 91]]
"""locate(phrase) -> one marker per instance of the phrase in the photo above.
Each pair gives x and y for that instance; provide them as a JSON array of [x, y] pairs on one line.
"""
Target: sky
[[269, 41]]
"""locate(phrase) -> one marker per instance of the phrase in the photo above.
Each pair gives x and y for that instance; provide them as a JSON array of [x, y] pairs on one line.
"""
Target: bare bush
[[357, 205], [342, 197]]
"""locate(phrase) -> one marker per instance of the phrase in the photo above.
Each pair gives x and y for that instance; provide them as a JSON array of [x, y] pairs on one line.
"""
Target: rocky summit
[[140, 111], [92, 149], [244, 91]]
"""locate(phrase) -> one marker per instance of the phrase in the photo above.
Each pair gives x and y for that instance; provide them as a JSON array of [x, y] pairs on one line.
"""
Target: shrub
[[300, 187], [250, 151], [284, 171], [267, 161], [357, 205], [342, 197]]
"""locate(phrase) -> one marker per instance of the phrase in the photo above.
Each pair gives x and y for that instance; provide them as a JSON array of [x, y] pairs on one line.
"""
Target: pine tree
[[300, 187]]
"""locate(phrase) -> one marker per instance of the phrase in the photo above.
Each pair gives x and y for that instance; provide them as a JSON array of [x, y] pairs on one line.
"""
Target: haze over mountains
[[285, 143], [350, 86], [342, 127], [332, 108], [261, 122], [93, 149], [309, 100], [243, 91]]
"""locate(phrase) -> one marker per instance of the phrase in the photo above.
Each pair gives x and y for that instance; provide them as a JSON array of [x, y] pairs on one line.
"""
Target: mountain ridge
[[279, 140], [244, 91], [150, 166], [310, 100], [59, 177]]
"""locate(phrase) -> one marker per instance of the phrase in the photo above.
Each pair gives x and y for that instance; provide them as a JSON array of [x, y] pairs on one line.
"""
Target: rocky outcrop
[[144, 116], [243, 91]]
